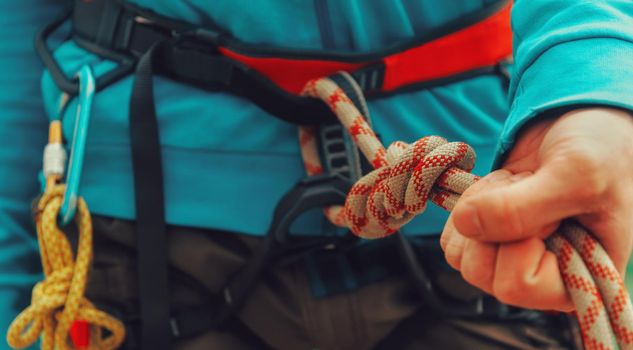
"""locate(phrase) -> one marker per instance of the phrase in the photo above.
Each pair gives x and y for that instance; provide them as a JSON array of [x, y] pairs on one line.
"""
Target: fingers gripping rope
[[59, 299], [407, 175]]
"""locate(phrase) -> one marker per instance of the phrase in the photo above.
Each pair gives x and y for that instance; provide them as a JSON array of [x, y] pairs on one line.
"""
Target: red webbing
[[481, 45]]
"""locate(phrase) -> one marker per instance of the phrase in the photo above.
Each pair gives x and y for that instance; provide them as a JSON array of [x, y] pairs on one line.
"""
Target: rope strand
[[58, 301], [406, 176]]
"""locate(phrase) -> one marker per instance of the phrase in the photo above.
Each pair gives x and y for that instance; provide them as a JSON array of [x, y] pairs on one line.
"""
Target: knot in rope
[[406, 176], [387, 198], [58, 301]]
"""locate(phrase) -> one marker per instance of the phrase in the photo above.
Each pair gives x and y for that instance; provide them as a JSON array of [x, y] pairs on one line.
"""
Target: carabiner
[[87, 86]]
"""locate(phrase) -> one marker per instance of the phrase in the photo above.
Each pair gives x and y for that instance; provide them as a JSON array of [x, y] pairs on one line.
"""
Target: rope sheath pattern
[[407, 175], [58, 301]]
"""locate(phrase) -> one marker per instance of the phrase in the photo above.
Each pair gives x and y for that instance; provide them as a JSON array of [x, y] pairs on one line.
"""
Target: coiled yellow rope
[[59, 300]]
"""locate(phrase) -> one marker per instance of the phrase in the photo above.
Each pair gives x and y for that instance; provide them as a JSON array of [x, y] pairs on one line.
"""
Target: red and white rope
[[406, 176]]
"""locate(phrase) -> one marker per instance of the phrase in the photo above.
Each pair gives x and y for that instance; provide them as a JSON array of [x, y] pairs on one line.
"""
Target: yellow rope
[[59, 300]]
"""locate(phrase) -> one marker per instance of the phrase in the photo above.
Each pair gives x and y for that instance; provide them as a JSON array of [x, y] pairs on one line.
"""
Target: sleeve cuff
[[597, 71]]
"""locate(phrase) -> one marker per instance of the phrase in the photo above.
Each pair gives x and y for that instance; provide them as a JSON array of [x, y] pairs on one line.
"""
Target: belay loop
[[405, 176], [58, 301]]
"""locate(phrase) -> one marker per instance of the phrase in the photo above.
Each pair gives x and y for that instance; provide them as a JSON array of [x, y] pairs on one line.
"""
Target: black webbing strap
[[188, 323], [410, 329], [310, 193], [156, 323], [156, 326], [150, 209], [215, 72], [123, 33], [194, 322]]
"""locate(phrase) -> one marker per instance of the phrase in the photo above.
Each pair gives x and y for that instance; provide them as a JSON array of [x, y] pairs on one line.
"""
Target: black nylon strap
[[407, 331], [220, 73], [121, 32], [190, 323], [150, 209], [240, 285]]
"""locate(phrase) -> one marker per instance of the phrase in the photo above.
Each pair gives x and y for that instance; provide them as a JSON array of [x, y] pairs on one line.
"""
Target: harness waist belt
[[123, 32], [482, 44]]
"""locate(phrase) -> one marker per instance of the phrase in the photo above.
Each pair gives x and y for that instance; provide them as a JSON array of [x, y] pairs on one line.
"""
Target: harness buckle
[[340, 155], [370, 78]]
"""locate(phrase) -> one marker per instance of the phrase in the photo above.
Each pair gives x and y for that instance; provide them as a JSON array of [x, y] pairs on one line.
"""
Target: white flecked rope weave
[[405, 176]]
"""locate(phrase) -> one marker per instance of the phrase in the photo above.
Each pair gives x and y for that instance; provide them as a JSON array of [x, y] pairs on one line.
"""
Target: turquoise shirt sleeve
[[568, 53], [23, 131]]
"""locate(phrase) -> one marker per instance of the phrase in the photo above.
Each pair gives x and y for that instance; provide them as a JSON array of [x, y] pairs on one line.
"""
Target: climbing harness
[[407, 175], [59, 312], [377, 205], [145, 43], [211, 59]]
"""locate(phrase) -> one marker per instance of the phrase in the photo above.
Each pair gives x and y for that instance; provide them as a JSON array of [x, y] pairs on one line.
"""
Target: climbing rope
[[58, 301], [59, 313], [406, 176]]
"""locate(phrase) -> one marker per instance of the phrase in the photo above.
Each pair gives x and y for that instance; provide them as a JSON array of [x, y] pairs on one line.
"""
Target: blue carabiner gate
[[77, 150]]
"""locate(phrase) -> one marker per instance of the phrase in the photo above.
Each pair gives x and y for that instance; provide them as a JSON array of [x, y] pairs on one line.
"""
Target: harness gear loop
[[59, 300], [406, 175]]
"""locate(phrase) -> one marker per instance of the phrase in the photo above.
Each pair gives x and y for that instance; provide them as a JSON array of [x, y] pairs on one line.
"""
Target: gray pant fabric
[[281, 312]]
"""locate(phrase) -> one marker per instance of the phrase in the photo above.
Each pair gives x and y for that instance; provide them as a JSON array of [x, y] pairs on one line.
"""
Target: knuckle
[[444, 241], [486, 182], [512, 290], [473, 189], [453, 254], [453, 261], [476, 275], [453, 257], [590, 170], [508, 217]]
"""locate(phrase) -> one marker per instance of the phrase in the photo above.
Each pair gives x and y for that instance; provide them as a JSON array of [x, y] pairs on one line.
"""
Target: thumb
[[521, 206]]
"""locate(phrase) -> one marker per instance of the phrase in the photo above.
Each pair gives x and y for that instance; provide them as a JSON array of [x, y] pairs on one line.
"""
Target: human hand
[[579, 165]]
